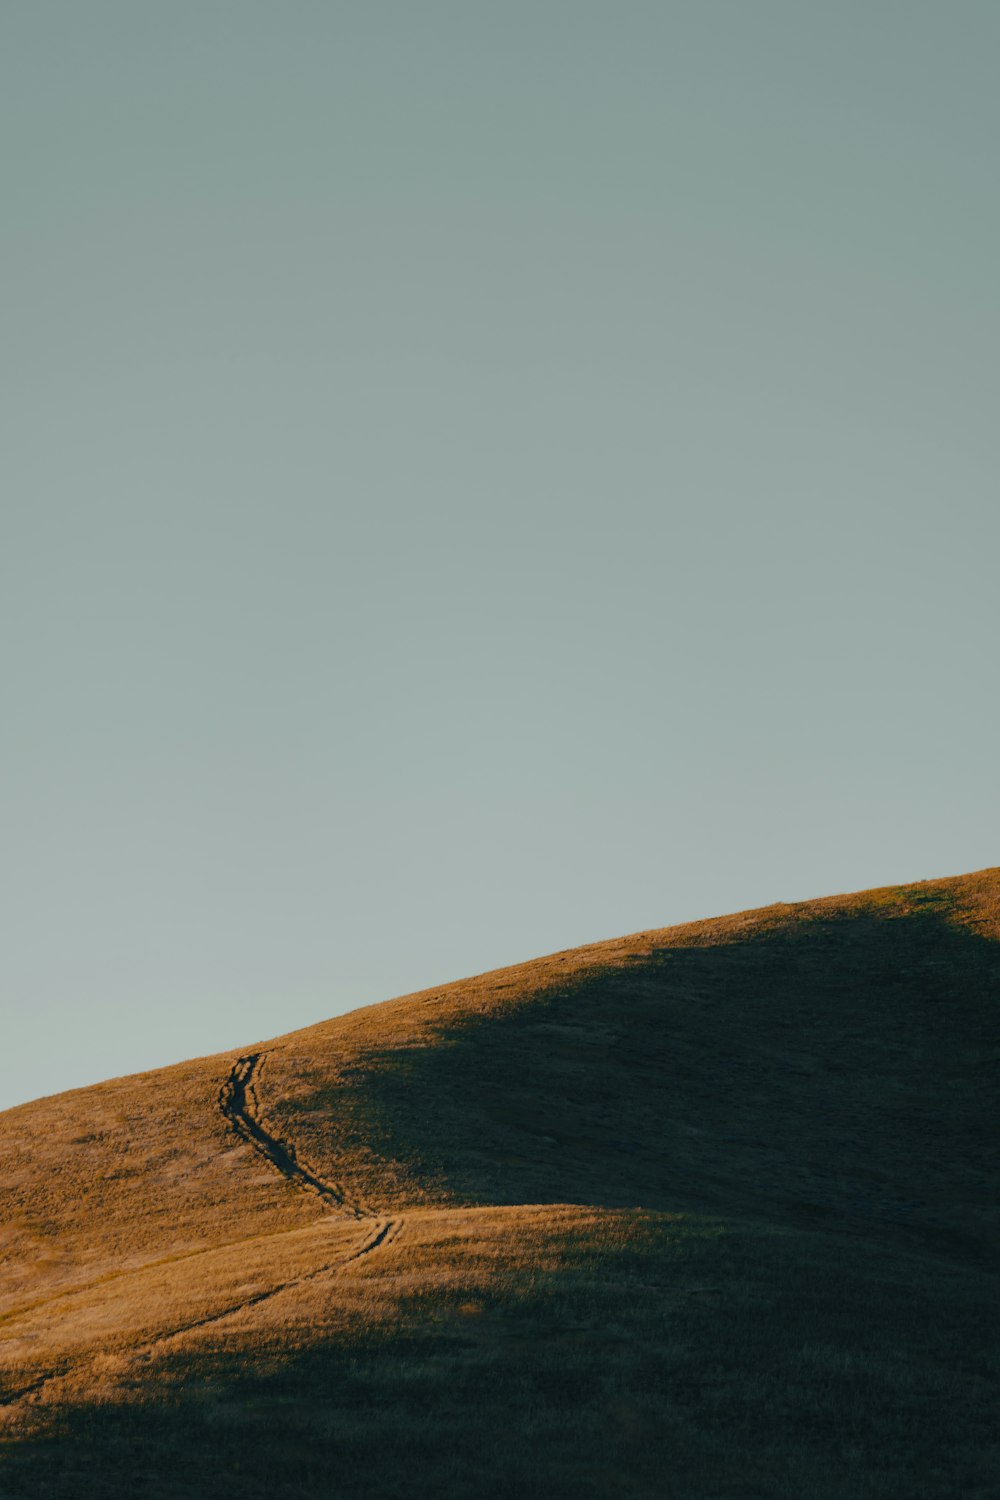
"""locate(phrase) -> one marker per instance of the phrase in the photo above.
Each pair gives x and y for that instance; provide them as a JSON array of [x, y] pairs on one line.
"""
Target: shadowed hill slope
[[615, 1165], [823, 1064]]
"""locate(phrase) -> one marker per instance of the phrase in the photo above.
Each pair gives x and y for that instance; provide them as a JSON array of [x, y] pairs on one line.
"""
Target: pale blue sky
[[478, 479]]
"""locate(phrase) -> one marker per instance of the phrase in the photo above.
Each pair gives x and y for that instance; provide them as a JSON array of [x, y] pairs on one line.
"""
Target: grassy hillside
[[707, 1211]]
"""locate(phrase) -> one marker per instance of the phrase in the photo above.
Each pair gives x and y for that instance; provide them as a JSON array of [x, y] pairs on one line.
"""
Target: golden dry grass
[[705, 1211]]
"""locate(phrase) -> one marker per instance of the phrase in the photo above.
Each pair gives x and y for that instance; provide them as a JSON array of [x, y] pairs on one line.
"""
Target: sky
[[478, 479]]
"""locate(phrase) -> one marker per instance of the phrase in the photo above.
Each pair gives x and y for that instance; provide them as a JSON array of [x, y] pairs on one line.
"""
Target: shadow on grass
[[804, 1372], [836, 1073], [824, 1090]]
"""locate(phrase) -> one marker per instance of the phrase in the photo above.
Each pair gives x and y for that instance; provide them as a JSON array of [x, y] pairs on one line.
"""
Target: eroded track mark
[[239, 1103], [241, 1107], [382, 1234]]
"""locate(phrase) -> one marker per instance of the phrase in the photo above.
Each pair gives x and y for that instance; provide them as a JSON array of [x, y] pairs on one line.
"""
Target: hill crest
[[811, 1081]]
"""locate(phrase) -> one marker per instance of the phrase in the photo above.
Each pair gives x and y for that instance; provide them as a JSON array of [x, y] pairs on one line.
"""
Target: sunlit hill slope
[[705, 1211]]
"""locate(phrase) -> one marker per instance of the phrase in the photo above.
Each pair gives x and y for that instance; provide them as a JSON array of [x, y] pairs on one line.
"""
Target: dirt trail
[[384, 1232], [239, 1103], [14, 1313]]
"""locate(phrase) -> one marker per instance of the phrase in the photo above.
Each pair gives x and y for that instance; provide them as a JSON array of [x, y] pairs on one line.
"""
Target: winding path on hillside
[[240, 1104]]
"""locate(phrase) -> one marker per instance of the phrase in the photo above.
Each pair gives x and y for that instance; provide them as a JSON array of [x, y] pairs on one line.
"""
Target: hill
[[707, 1211]]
